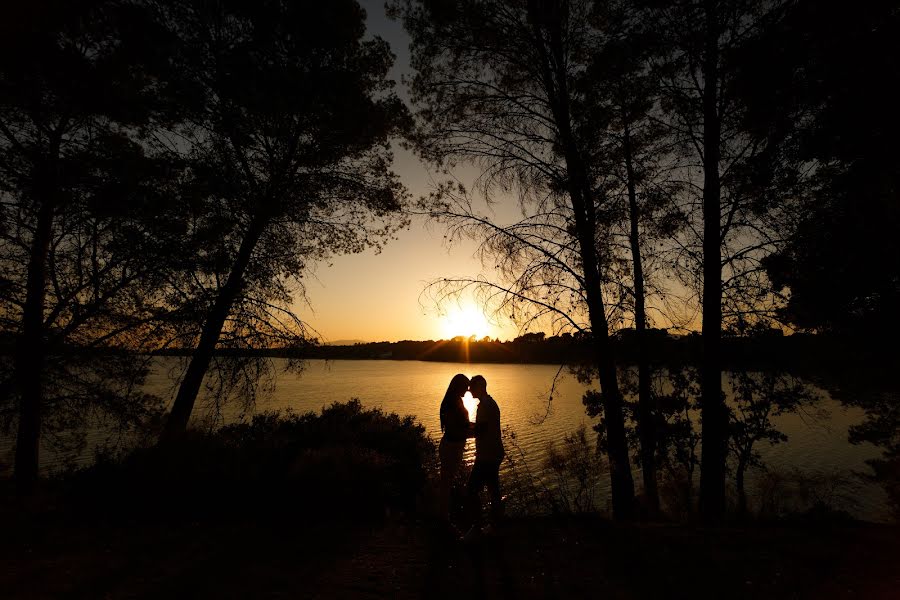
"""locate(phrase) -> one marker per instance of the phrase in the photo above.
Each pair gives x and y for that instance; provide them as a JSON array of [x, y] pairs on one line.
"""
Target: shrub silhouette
[[347, 462]]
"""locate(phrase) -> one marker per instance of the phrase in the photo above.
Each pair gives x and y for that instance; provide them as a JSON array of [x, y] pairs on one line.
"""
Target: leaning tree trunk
[[209, 336], [715, 421], [646, 410], [31, 352]]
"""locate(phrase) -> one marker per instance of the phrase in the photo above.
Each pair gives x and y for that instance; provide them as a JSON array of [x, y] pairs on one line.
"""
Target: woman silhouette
[[456, 427]]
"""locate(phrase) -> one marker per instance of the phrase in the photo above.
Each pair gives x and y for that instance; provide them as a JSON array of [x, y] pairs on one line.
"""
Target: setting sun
[[465, 321]]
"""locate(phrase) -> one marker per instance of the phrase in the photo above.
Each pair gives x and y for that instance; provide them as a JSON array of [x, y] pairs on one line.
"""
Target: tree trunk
[[646, 409], [617, 447], [739, 484], [555, 83], [31, 353], [689, 494], [209, 336], [621, 480], [715, 421]]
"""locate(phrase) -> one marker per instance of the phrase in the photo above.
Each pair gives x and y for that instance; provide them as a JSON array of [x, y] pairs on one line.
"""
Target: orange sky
[[377, 297], [373, 297]]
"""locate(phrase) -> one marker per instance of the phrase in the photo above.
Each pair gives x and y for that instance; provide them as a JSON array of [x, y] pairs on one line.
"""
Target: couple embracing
[[488, 449]]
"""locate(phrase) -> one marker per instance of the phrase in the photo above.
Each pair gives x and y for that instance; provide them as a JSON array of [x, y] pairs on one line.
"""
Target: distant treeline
[[772, 349]]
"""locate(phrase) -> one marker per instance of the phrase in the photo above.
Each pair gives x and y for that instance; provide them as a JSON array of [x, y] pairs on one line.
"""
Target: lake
[[817, 436]]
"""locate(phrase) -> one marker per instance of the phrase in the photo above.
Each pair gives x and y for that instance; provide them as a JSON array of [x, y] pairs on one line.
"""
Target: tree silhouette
[[292, 116], [842, 262], [733, 218], [677, 391], [881, 428], [495, 85], [633, 160], [75, 97], [759, 397]]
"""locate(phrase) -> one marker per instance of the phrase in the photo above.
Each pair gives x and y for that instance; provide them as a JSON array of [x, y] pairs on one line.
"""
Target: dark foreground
[[53, 555]]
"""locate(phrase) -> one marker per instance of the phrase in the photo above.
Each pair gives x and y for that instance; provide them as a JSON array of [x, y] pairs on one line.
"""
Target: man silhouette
[[488, 456]]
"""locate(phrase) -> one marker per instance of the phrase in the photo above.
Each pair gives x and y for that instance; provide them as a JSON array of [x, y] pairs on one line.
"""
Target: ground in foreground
[[295, 555]]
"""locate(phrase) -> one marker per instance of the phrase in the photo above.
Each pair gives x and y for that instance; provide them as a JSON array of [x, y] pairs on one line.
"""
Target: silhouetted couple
[[488, 450]]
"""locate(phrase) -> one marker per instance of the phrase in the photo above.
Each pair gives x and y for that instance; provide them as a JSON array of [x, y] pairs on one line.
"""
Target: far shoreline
[[804, 352]]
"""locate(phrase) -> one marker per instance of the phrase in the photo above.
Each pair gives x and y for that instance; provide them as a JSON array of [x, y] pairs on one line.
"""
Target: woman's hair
[[453, 398]]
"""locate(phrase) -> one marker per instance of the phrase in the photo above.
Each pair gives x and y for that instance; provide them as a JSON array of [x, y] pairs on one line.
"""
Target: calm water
[[817, 437]]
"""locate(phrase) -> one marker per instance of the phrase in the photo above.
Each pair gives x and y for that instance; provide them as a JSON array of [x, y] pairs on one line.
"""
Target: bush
[[577, 469], [678, 494], [347, 462], [568, 481], [791, 493]]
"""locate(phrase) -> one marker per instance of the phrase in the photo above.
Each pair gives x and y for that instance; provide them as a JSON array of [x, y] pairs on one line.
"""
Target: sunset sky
[[377, 297]]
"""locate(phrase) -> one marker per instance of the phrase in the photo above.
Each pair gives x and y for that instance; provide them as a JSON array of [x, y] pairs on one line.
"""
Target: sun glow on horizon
[[466, 321]]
